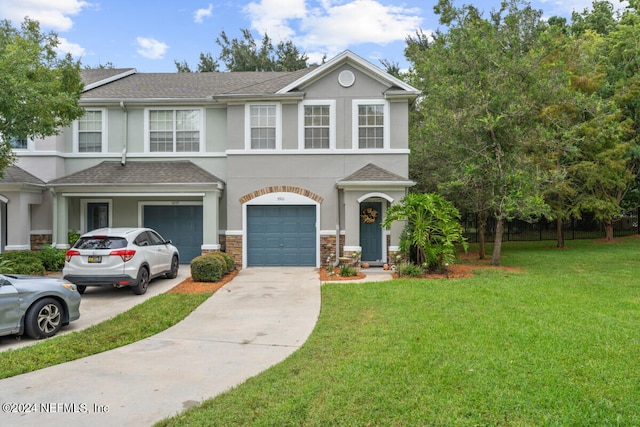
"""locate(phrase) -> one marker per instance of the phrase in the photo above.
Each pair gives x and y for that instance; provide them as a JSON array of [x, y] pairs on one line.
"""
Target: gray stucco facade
[[333, 138]]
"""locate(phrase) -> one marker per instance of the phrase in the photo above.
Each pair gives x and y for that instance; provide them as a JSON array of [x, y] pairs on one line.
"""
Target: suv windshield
[[101, 242]]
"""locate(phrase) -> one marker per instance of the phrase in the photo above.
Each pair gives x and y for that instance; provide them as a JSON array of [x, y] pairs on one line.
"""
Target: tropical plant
[[433, 228]]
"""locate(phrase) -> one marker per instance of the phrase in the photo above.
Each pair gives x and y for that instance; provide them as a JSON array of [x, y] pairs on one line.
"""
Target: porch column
[[210, 220], [60, 222]]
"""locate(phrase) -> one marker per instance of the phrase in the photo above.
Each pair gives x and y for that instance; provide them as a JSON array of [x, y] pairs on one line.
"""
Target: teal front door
[[370, 231]]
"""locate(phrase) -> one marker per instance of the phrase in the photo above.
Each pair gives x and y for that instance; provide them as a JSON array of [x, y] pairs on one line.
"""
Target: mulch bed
[[189, 286]]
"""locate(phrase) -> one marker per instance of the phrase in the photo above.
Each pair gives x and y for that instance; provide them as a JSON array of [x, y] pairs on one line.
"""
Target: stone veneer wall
[[233, 248], [39, 240], [328, 248]]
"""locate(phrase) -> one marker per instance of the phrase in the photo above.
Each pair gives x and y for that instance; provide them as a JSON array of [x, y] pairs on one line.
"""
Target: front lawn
[[557, 343]]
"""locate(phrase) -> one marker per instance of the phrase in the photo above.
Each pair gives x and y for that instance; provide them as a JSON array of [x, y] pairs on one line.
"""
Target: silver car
[[36, 306], [120, 257]]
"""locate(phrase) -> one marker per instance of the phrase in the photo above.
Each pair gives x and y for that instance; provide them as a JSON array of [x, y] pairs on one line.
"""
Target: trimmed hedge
[[23, 262], [211, 267]]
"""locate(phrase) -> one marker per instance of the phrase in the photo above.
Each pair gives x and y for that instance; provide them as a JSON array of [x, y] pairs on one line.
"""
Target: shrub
[[25, 262], [211, 267], [73, 236], [52, 258], [347, 271], [409, 269]]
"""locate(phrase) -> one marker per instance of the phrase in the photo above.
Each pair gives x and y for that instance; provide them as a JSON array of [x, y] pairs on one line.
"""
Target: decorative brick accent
[[38, 241], [222, 240], [281, 189], [328, 248], [233, 247]]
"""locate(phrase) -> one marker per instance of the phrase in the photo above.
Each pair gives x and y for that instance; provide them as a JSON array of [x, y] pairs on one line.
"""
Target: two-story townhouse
[[275, 168]]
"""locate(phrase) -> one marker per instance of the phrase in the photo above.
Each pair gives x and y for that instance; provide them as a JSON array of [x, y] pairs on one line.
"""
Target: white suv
[[120, 257]]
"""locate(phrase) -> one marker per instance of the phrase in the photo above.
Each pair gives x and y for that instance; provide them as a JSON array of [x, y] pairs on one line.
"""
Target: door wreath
[[369, 215]]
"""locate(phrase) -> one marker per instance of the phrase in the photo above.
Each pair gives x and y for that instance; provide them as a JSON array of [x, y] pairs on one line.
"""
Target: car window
[[155, 239], [142, 239], [101, 242]]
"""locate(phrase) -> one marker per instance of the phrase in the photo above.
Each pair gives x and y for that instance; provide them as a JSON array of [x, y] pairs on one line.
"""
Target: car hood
[[27, 283]]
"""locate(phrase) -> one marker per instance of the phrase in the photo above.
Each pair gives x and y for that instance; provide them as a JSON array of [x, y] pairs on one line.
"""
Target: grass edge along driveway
[[556, 343]]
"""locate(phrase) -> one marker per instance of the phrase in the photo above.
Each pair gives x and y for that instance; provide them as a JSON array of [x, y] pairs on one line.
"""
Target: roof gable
[[356, 62]]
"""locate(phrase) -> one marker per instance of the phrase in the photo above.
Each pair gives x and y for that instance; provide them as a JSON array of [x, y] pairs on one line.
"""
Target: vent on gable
[[346, 78]]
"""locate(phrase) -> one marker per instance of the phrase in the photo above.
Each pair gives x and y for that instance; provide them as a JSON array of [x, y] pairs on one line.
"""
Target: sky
[[151, 35]]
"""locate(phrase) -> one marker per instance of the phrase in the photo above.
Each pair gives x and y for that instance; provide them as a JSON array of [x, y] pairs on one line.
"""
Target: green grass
[[144, 320], [555, 344]]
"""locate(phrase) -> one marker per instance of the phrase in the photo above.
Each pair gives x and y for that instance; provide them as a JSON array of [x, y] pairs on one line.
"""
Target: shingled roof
[[140, 173], [373, 173], [194, 85], [15, 175]]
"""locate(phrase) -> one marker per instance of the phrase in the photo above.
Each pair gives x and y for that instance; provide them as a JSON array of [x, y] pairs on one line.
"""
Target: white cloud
[[67, 47], [51, 14], [333, 25], [151, 48], [200, 14], [565, 7]]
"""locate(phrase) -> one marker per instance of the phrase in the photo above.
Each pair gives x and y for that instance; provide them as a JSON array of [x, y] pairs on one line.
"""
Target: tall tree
[[39, 91], [245, 54], [480, 90]]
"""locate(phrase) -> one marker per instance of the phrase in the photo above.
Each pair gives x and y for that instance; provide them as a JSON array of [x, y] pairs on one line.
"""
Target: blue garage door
[[180, 224], [281, 236]]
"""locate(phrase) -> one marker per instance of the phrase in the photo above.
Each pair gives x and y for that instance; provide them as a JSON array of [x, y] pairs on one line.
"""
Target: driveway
[[255, 321], [100, 303]]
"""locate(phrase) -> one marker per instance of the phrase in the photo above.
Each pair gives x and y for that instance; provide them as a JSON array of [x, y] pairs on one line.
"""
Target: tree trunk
[[608, 230], [497, 243], [560, 233], [482, 232]]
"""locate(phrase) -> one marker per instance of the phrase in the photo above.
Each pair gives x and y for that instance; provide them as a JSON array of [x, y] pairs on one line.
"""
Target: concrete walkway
[[255, 321]]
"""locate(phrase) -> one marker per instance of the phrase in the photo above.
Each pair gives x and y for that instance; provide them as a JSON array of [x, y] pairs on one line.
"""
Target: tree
[[480, 93], [39, 92], [433, 229], [244, 54]]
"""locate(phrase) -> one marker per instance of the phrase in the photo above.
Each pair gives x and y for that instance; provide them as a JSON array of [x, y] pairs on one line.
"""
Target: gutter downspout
[[126, 133], [337, 260]]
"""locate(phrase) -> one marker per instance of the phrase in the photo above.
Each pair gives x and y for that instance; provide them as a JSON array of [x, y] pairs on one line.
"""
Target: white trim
[[373, 195], [394, 248], [233, 233], [332, 125], [83, 212], [104, 136], [386, 129], [352, 249], [41, 232], [347, 151], [3, 199], [215, 247], [332, 232], [247, 127], [17, 248], [146, 128], [109, 79], [279, 199], [133, 194]]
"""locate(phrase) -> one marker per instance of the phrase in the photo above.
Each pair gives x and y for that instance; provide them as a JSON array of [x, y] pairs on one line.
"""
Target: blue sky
[[150, 36]]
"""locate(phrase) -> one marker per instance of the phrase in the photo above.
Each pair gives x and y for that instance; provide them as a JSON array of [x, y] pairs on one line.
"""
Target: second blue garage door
[[181, 224], [281, 236]]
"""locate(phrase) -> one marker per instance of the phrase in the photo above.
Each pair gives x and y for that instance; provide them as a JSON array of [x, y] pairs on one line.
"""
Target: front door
[[370, 231]]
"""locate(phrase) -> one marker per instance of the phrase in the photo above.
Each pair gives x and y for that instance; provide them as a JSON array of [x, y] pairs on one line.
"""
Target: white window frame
[[332, 124], [147, 130], [30, 146], [247, 127], [76, 133], [355, 133]]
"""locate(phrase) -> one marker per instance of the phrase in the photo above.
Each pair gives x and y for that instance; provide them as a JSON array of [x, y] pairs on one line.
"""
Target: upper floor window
[[263, 126], [175, 130], [318, 120], [90, 132], [19, 143], [371, 125]]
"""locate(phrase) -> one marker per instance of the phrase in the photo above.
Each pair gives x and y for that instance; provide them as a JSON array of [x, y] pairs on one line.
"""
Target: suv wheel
[[143, 282], [173, 273]]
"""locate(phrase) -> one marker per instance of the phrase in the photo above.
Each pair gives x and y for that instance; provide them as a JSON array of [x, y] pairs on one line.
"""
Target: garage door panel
[[281, 235], [180, 224]]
